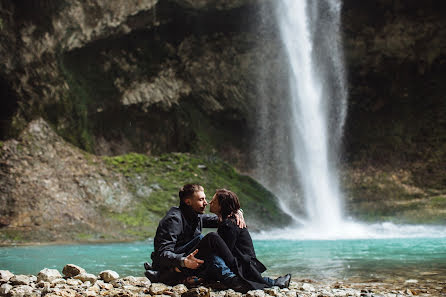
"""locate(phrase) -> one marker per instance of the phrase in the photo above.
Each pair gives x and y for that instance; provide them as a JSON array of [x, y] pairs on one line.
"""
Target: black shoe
[[236, 284], [283, 281], [152, 275], [147, 266]]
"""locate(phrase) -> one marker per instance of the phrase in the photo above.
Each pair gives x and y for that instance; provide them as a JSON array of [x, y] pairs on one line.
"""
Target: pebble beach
[[75, 281]]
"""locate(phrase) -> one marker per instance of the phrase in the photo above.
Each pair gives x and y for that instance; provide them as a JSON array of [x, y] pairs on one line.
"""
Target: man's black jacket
[[178, 227]]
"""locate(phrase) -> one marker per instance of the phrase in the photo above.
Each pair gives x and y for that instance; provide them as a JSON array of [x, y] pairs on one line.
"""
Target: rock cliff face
[[51, 190], [396, 57], [153, 76], [150, 76]]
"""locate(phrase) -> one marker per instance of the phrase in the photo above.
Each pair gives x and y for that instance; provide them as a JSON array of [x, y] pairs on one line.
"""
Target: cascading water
[[314, 114], [311, 106], [302, 95]]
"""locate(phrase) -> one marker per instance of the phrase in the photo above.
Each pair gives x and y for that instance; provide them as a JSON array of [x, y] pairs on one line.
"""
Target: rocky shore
[[75, 282]]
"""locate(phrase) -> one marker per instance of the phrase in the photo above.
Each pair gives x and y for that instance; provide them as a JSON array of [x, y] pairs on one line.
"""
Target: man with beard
[[182, 254]]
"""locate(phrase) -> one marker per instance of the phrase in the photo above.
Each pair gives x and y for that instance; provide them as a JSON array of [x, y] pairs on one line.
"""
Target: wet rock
[[4, 289], [20, 279], [48, 275], [21, 291], [5, 275], [71, 270], [109, 275], [197, 292], [158, 288], [87, 277]]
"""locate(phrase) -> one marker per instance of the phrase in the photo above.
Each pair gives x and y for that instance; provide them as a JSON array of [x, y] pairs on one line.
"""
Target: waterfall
[[301, 132]]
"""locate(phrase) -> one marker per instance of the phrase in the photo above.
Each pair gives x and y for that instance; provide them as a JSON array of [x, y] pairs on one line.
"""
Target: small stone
[[20, 279], [90, 293], [67, 292], [95, 288], [5, 275], [179, 289], [293, 285], [255, 293], [74, 282], [142, 282], [103, 285], [289, 294], [48, 275], [109, 275], [411, 281], [87, 277], [214, 294], [340, 293], [20, 291], [158, 288], [86, 285], [118, 283], [58, 281], [130, 280], [308, 287], [197, 292], [232, 293], [71, 270], [4, 289], [274, 291]]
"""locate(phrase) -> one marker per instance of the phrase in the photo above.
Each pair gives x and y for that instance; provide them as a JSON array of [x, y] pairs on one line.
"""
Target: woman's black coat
[[240, 244]]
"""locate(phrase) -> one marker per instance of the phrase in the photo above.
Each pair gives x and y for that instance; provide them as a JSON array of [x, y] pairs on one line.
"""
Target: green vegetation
[[156, 180], [378, 195]]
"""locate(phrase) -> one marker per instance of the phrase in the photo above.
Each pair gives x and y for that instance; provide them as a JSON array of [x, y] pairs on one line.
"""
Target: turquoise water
[[317, 259]]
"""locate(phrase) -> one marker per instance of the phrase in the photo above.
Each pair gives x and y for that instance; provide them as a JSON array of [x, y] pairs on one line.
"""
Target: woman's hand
[[240, 219]]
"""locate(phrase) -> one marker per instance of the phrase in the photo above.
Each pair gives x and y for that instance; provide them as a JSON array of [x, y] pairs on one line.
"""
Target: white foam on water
[[354, 230]]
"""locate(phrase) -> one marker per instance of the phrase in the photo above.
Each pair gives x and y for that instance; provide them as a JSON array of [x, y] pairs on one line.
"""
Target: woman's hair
[[228, 201]]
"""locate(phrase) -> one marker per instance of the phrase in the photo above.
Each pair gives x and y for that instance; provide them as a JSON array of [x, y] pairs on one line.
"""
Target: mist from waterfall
[[303, 129]]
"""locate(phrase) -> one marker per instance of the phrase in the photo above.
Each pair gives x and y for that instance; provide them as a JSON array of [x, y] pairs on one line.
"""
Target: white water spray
[[311, 110], [300, 129], [305, 148]]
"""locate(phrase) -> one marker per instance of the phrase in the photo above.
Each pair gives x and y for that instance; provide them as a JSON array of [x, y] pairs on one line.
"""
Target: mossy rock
[[155, 181]]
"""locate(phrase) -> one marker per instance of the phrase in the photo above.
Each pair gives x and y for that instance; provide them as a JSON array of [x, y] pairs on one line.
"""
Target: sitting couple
[[183, 254]]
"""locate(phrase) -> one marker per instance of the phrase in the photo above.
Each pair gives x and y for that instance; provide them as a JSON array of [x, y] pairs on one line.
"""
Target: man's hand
[[191, 262], [240, 219]]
